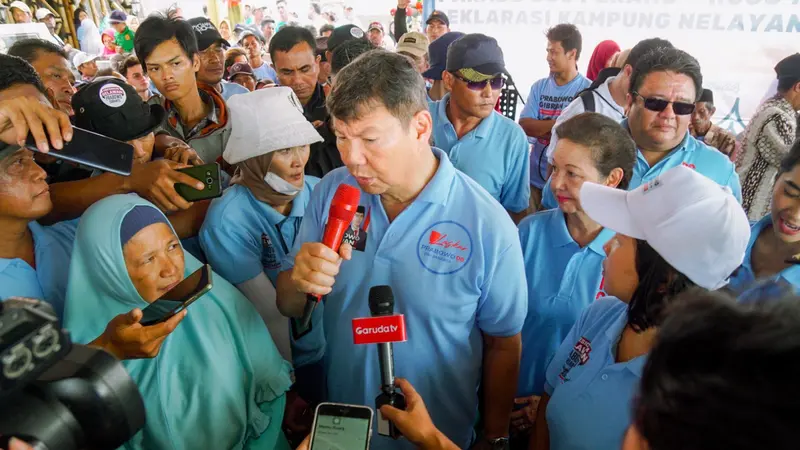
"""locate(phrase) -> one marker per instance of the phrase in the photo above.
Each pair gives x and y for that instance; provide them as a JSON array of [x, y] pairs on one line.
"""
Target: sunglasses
[[658, 105], [496, 83]]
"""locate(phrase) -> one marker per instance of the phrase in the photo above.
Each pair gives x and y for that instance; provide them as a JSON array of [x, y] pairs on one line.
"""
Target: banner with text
[[737, 42]]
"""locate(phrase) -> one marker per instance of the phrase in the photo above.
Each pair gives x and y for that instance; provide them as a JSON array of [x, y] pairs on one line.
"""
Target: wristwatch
[[500, 443]]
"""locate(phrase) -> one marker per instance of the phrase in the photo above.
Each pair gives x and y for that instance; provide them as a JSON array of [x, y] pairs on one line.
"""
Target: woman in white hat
[[252, 227], [679, 231]]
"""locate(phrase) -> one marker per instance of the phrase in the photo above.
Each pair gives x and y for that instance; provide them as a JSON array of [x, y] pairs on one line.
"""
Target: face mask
[[280, 185]]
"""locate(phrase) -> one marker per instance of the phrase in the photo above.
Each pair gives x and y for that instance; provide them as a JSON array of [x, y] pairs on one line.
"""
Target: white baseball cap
[[696, 225], [266, 120], [81, 58], [20, 6], [41, 13]]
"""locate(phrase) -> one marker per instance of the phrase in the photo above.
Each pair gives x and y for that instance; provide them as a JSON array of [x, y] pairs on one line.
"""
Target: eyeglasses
[[496, 83], [658, 105]]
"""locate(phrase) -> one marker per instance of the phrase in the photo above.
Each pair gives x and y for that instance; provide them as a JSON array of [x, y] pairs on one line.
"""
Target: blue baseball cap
[[437, 53], [476, 57]]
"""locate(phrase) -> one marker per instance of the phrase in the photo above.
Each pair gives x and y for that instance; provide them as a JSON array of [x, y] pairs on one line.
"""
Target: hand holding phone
[[209, 174], [22, 116], [178, 298], [339, 426], [126, 338]]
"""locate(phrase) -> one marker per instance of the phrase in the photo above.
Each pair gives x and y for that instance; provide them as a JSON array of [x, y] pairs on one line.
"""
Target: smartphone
[[210, 174], [179, 297], [341, 427], [93, 150]]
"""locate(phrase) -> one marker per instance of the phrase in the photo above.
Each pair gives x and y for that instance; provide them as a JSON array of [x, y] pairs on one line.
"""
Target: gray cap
[[479, 54]]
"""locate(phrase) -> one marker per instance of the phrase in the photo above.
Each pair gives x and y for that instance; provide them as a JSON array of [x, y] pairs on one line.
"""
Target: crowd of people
[[591, 276]]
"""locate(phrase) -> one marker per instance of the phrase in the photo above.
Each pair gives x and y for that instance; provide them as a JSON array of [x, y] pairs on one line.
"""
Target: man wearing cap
[[254, 46], [196, 113], [20, 12], [86, 65], [242, 74], [34, 259], [438, 63], [48, 18], [211, 48], [125, 36], [768, 137], [437, 25], [481, 142], [342, 34], [704, 131], [375, 34], [293, 51], [429, 237], [415, 46]]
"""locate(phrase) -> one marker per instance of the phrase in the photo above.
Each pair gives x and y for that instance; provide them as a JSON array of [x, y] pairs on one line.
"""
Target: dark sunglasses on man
[[496, 83], [658, 105]]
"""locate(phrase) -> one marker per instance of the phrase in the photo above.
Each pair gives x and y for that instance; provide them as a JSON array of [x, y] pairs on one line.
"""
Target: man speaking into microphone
[[448, 250]]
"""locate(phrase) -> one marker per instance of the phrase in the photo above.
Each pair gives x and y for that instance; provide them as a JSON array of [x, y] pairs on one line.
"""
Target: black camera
[[58, 395]]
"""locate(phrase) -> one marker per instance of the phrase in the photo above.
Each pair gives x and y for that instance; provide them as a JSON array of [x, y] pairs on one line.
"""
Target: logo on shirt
[[444, 248], [577, 357], [113, 95], [691, 166], [601, 291], [652, 185], [269, 259]]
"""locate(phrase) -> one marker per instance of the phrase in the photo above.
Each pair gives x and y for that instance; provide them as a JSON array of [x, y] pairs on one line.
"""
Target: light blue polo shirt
[[230, 89], [495, 154], [242, 237], [454, 261], [591, 394], [545, 101], [744, 277], [691, 153], [48, 281], [563, 279]]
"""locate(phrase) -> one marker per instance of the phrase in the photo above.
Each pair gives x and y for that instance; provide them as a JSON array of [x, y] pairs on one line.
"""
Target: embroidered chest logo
[[691, 166], [652, 185], [601, 291], [269, 259], [444, 248], [577, 357]]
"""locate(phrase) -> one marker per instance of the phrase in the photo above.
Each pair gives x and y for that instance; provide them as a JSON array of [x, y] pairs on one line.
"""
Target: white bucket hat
[[264, 121], [696, 225]]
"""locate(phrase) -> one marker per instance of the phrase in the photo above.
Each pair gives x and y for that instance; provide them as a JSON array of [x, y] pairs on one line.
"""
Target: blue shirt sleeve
[[231, 252], [516, 193], [531, 109], [736, 187], [504, 300], [554, 366], [311, 226]]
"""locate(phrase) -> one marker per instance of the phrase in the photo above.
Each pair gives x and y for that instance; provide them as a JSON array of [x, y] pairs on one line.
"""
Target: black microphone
[[381, 303]]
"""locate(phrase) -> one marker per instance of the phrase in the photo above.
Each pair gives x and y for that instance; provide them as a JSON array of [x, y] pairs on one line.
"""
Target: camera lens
[[209, 180]]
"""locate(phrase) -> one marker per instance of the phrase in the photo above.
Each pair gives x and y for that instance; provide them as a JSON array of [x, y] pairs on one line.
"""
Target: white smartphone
[[341, 427]]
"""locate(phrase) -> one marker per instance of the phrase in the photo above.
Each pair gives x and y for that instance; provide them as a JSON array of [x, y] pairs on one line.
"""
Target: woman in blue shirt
[[218, 380], [678, 231], [774, 249], [252, 227], [563, 247]]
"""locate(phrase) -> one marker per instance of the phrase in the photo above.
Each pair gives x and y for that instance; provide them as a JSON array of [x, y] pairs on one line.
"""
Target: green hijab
[[218, 381]]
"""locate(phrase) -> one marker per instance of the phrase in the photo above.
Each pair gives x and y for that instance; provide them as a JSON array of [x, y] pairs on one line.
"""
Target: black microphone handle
[[386, 359], [311, 304]]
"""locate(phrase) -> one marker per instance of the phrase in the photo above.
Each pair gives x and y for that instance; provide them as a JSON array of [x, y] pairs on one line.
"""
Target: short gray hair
[[378, 78]]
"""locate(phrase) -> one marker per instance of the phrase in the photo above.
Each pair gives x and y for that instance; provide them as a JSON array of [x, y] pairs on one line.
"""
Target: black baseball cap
[[345, 33], [206, 33], [440, 16], [113, 108], [437, 54], [476, 57]]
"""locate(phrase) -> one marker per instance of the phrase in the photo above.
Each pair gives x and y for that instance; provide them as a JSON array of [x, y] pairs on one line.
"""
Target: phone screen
[[93, 150], [341, 427], [176, 299]]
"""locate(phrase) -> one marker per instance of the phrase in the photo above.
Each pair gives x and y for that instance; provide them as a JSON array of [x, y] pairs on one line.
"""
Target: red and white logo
[[445, 247], [379, 330], [691, 166], [441, 240]]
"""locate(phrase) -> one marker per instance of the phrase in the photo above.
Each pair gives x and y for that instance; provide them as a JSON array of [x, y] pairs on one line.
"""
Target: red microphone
[[343, 209]]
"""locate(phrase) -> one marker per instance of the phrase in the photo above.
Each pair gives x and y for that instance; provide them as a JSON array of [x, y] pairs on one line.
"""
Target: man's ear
[[196, 62]]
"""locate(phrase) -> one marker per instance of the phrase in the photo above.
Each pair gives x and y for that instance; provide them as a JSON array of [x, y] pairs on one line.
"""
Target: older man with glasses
[[490, 148]]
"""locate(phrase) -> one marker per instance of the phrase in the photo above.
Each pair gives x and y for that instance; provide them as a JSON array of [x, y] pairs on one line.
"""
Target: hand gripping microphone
[[343, 209], [381, 305]]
